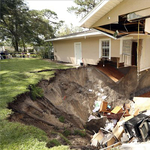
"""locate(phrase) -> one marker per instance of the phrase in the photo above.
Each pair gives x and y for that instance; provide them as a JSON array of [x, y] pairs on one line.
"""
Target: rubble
[[97, 138], [128, 123]]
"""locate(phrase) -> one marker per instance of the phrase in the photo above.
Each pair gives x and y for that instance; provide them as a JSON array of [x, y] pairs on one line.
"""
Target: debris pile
[[128, 123]]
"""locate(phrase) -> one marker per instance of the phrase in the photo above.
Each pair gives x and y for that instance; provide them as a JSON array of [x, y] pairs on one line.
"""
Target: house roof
[[98, 12], [88, 33]]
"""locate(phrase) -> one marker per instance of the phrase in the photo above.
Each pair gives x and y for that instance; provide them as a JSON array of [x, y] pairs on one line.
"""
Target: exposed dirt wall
[[71, 94]]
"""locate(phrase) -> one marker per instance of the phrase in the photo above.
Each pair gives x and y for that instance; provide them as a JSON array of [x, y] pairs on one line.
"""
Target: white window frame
[[126, 58], [100, 48], [121, 43]]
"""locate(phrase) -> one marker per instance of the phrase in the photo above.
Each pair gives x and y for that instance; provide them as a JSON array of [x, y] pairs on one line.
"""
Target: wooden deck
[[110, 71], [145, 95]]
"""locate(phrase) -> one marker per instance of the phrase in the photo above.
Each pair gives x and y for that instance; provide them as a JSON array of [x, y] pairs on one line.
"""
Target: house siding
[[127, 6], [145, 56], [64, 50], [115, 48]]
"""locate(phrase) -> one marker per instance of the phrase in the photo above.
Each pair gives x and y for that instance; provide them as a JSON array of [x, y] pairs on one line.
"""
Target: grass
[[82, 133], [66, 133], [36, 92], [53, 142], [62, 137], [61, 119], [15, 77]]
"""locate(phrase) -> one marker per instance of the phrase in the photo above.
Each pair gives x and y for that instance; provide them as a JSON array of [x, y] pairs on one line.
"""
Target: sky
[[58, 6]]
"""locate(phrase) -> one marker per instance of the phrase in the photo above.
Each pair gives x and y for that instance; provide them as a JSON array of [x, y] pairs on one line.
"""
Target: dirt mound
[[68, 100]]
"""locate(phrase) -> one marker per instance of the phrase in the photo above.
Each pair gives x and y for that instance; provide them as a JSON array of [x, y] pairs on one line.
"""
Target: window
[[105, 48], [126, 47], [126, 51]]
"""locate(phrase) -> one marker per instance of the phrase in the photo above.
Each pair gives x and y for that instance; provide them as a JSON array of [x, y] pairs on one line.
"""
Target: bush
[[62, 137], [36, 92], [45, 52], [82, 133], [66, 132], [62, 119], [53, 143]]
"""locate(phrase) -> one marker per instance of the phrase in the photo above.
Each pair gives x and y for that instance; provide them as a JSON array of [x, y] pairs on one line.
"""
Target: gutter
[[75, 36]]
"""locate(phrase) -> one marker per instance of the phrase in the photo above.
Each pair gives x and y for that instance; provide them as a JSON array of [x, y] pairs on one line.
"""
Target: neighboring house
[[2, 48], [10, 48], [122, 35]]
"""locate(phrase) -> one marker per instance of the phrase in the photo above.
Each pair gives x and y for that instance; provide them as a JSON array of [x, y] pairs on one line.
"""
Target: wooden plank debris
[[117, 110], [97, 138]]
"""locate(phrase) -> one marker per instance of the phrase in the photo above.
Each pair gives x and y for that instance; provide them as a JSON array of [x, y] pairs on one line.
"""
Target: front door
[[78, 52]]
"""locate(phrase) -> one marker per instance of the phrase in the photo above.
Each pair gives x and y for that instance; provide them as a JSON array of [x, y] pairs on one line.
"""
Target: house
[[81, 47], [120, 34]]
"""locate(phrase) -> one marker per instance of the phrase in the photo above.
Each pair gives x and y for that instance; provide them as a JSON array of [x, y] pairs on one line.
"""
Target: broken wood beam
[[105, 30]]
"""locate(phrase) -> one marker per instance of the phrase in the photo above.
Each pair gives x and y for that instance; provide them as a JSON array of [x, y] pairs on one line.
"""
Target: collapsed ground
[[67, 102]]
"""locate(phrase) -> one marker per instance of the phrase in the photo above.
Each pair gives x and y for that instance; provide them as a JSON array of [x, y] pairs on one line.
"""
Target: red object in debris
[[64, 97]]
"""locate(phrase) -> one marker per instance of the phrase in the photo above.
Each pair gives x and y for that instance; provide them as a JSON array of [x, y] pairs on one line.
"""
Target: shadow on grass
[[16, 135], [15, 76], [24, 65]]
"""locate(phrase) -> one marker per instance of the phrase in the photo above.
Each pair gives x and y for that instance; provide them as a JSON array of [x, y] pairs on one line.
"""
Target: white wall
[[145, 57], [64, 49]]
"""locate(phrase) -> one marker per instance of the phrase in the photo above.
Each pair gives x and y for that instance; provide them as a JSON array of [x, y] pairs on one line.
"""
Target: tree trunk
[[24, 47], [15, 44]]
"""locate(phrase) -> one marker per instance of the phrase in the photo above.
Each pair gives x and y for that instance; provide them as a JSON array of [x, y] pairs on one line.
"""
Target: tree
[[24, 26], [12, 19], [66, 29], [83, 7]]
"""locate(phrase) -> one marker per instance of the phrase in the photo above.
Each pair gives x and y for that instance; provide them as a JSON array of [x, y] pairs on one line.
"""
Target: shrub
[[82, 133], [62, 137], [62, 119], [66, 132], [53, 143], [36, 92]]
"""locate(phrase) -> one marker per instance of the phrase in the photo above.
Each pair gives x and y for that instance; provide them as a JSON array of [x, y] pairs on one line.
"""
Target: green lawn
[[15, 77]]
